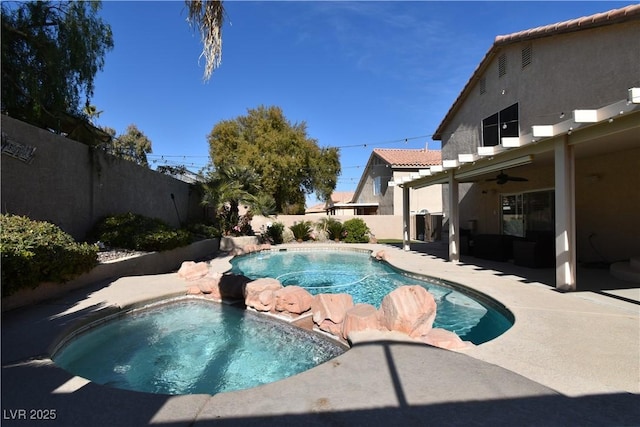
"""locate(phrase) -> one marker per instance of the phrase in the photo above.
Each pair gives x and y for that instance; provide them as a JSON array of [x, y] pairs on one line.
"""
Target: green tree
[[133, 145], [51, 52], [207, 17], [230, 186], [290, 165]]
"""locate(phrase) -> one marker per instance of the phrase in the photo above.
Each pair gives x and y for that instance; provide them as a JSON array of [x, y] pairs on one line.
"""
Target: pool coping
[[515, 375]]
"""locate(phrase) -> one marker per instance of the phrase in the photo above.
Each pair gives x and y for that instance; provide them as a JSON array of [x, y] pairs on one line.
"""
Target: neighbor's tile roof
[[614, 16], [342, 196], [407, 157]]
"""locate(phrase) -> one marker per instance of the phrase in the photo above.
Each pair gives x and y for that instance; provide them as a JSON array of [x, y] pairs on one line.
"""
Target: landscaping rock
[[442, 338], [381, 256], [259, 294], [408, 309], [293, 299], [330, 306], [361, 317], [190, 270], [193, 290], [331, 327]]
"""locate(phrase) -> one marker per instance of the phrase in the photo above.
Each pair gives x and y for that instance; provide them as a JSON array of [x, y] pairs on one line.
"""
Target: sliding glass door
[[527, 212]]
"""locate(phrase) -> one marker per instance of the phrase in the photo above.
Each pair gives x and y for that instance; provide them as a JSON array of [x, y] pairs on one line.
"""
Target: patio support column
[[565, 216], [454, 220], [406, 218]]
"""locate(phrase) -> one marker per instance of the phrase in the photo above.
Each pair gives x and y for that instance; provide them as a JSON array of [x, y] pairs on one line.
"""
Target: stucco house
[[545, 135], [376, 193]]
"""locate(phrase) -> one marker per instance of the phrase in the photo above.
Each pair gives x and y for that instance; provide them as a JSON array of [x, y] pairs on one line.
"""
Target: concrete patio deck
[[569, 359]]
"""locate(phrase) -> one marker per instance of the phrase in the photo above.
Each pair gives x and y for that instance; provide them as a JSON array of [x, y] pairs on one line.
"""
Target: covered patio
[[562, 154]]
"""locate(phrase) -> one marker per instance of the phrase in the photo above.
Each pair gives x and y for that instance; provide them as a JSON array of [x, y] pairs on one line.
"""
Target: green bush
[[356, 231], [301, 230], [335, 230], [206, 231], [36, 251], [274, 233], [133, 231]]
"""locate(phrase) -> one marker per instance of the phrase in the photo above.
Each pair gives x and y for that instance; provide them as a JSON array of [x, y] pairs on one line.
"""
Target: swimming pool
[[474, 317], [192, 346]]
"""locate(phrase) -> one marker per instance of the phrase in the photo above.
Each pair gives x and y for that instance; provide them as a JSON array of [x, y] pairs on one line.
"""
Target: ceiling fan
[[503, 178]]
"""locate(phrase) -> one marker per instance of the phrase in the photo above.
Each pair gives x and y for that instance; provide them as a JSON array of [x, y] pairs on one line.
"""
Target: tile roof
[[599, 19], [408, 157], [342, 196], [627, 13]]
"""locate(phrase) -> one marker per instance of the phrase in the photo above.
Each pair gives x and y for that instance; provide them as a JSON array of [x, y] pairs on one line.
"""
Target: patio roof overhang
[[513, 152], [355, 205]]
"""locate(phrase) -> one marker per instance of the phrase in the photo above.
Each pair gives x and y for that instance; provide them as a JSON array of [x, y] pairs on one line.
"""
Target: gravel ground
[[116, 254]]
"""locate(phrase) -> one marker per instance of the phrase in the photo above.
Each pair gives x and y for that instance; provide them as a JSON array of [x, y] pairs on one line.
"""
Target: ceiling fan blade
[[517, 178]]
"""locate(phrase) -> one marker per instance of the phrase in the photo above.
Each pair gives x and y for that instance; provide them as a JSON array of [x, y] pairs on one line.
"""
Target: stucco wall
[[585, 69], [385, 198], [73, 186], [608, 226], [382, 226], [429, 198]]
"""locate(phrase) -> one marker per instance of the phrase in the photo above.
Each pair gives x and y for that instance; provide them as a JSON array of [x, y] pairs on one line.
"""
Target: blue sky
[[362, 75]]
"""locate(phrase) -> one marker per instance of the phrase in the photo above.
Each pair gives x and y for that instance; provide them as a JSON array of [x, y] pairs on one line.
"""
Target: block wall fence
[[72, 185]]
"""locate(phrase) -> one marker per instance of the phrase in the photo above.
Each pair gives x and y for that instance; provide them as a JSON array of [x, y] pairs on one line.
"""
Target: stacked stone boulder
[[329, 311], [250, 248], [260, 294], [410, 310]]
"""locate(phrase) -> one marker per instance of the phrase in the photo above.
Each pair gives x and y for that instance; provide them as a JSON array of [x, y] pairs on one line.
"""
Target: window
[[490, 134], [377, 185], [531, 212], [500, 125], [509, 126], [502, 65], [526, 56]]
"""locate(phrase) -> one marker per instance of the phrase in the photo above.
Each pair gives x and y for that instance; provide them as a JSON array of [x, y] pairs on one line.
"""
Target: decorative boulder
[[209, 284], [361, 317], [408, 309], [190, 270], [259, 294], [381, 256], [442, 338], [330, 307], [331, 327], [249, 248], [293, 299], [193, 290]]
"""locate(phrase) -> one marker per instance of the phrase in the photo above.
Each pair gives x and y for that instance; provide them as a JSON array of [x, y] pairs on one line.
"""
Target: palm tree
[[230, 186], [208, 16]]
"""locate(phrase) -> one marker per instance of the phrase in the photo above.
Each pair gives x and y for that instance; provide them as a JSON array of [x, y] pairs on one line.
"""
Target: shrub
[[273, 233], [355, 231], [334, 229], [37, 251], [301, 230], [133, 231], [206, 231]]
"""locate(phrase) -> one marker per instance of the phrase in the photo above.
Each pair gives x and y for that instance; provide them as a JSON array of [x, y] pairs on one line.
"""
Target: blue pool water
[[472, 317], [192, 346]]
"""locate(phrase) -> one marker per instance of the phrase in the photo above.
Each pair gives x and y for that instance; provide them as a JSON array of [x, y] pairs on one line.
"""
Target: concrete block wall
[[71, 185]]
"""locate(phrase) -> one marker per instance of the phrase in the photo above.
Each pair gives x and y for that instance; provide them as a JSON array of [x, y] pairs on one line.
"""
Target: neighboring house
[[557, 106], [376, 193], [340, 204]]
